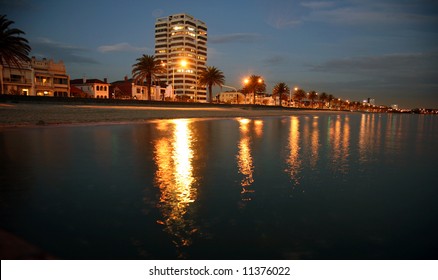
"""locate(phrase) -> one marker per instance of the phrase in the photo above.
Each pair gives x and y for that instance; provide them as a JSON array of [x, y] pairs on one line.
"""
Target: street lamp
[[246, 81], [260, 81], [290, 95]]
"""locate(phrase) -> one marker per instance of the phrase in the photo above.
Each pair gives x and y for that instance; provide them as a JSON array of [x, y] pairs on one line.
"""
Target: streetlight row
[[184, 63]]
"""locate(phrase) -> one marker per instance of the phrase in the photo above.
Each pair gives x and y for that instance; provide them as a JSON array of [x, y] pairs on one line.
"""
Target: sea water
[[315, 186]]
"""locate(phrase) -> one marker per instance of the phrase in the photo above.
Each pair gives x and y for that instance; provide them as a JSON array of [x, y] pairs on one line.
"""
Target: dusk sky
[[383, 49]]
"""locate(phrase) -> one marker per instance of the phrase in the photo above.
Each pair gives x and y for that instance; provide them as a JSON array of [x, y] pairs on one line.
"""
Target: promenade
[[32, 114]]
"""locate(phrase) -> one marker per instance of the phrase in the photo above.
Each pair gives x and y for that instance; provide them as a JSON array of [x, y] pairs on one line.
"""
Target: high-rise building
[[181, 46]]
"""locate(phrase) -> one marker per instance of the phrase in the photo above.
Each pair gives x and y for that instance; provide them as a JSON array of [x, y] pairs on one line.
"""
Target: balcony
[[21, 81]]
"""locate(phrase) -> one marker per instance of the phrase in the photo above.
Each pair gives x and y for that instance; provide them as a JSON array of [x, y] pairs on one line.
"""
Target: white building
[[182, 38], [94, 88], [231, 97], [38, 77], [127, 89]]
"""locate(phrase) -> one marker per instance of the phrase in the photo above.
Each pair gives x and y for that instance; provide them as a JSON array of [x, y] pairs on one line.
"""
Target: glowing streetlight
[[247, 82], [290, 95]]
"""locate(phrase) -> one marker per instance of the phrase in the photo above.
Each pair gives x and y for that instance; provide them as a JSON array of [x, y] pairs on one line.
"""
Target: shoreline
[[42, 114]]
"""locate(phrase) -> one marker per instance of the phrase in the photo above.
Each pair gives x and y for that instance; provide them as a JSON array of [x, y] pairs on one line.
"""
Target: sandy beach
[[28, 114]]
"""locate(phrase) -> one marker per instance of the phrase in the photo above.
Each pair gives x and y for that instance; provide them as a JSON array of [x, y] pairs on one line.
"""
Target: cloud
[[281, 22], [375, 13], [284, 14], [120, 47], [388, 70], [235, 38], [27, 5], [317, 4], [275, 60], [45, 47]]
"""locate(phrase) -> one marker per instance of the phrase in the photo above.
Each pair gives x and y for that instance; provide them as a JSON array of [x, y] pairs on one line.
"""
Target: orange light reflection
[[173, 156], [294, 161], [244, 159]]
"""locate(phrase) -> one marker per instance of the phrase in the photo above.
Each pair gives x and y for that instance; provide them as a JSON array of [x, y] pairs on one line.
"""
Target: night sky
[[386, 50]]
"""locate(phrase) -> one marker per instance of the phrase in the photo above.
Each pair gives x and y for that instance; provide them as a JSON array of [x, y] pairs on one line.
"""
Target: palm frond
[[14, 49]]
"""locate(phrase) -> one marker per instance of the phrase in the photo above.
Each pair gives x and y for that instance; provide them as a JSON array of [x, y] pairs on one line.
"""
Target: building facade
[[127, 89], [93, 88], [181, 46], [39, 77], [231, 97]]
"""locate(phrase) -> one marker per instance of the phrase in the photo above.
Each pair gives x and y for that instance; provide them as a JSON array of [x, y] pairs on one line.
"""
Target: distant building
[[181, 37], [77, 92], [50, 77], [93, 88], [39, 77], [127, 89], [369, 101], [231, 97]]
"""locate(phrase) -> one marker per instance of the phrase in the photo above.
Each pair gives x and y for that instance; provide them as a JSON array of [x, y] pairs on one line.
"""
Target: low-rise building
[[231, 97], [94, 88], [38, 77], [16, 80], [127, 89], [50, 78]]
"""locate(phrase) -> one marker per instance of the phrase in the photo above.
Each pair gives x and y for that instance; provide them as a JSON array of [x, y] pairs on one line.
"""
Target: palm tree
[[312, 96], [280, 89], [323, 98], [329, 99], [254, 84], [210, 77], [299, 94], [14, 49], [146, 68]]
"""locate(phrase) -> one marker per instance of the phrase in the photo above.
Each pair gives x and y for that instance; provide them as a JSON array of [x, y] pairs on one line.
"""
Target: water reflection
[[258, 127], [314, 142], [369, 137], [85, 182], [244, 158], [393, 134], [175, 178], [294, 161], [339, 140]]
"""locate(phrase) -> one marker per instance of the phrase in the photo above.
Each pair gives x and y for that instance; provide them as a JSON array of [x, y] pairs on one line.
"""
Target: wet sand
[[17, 115]]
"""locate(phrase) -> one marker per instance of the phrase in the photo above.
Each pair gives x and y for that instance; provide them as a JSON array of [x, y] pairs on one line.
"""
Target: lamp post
[[246, 81], [229, 87], [254, 96], [290, 95]]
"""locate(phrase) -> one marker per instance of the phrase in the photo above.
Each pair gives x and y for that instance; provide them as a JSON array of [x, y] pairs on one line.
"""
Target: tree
[[146, 68], [329, 99], [323, 98], [280, 90], [14, 49], [312, 96], [254, 84], [210, 77], [299, 94]]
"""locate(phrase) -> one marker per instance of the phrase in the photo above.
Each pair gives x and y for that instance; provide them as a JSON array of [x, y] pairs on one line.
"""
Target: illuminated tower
[[181, 46]]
